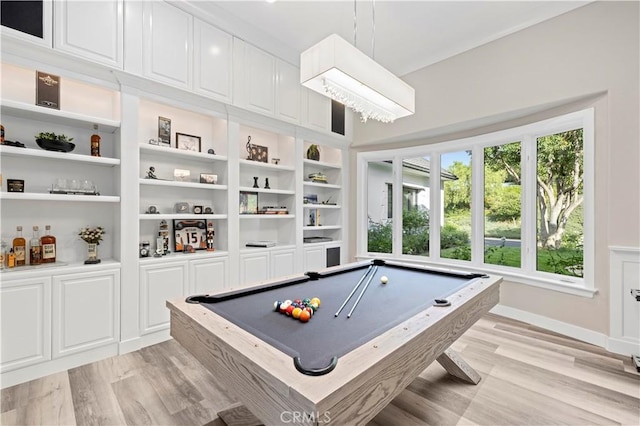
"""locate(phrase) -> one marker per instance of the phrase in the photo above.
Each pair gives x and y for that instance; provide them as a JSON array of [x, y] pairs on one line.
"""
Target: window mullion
[[396, 229], [477, 205], [529, 206], [435, 212]]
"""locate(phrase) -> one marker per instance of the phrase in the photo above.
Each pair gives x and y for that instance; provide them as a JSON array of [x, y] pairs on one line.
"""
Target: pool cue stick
[[354, 289], [363, 290]]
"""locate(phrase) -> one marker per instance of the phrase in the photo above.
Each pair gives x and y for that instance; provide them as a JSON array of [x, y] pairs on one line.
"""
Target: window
[[518, 202]]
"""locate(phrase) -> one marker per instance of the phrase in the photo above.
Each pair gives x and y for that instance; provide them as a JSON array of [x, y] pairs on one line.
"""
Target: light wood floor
[[529, 377]]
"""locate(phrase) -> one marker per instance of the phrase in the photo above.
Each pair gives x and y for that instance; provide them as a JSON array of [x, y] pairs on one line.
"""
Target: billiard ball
[[384, 279], [296, 313], [310, 310], [276, 305], [289, 310], [316, 301], [304, 316]]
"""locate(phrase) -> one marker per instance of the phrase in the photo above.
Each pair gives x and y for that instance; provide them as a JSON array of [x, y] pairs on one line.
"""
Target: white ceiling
[[408, 34]]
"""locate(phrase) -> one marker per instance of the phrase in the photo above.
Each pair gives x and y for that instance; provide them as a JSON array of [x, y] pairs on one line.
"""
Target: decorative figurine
[[255, 182], [163, 231], [211, 151], [151, 174], [266, 183], [210, 236]]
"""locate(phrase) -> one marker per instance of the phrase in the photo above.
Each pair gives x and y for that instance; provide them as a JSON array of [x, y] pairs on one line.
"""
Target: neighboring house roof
[[422, 165]]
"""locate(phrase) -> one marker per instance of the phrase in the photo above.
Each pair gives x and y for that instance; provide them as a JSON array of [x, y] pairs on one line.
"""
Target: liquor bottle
[[1, 134], [20, 248], [35, 249], [11, 259], [95, 142], [48, 243]]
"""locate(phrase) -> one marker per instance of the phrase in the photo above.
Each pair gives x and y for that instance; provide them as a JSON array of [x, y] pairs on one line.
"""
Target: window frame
[[527, 135]]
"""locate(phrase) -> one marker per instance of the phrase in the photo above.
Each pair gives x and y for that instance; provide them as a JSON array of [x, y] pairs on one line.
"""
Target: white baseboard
[[45, 368], [570, 330], [143, 341]]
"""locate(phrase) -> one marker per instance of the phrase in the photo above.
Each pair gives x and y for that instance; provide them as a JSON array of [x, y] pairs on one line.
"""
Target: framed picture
[[47, 90], [164, 131], [188, 142], [248, 202], [208, 178], [189, 235]]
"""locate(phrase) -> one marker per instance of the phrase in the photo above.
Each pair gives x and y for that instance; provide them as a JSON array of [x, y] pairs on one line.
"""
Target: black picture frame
[[248, 202], [189, 235], [188, 142], [164, 131]]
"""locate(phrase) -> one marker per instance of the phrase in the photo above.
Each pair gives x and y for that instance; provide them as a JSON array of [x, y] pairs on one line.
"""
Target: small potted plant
[[52, 142], [313, 152], [92, 236]]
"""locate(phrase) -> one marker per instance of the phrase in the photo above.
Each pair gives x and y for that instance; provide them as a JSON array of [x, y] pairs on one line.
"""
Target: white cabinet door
[[168, 45], [255, 71], [86, 311], [315, 258], [282, 263], [157, 284], [254, 267], [25, 312], [213, 61], [318, 111], [287, 92], [208, 275], [90, 29]]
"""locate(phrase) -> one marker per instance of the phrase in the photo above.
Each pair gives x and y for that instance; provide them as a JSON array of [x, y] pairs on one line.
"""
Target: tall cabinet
[[47, 312]]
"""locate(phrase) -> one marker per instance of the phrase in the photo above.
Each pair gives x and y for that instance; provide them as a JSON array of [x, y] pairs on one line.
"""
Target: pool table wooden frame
[[364, 381]]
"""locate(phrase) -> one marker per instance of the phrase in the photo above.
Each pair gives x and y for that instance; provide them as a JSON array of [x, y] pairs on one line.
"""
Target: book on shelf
[[264, 244]]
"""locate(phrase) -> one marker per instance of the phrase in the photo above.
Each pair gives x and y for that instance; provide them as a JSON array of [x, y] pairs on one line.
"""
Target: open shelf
[[12, 151], [173, 152], [26, 196], [160, 182]]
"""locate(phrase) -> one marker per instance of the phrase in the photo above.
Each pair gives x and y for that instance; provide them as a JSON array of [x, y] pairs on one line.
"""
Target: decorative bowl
[[55, 145]]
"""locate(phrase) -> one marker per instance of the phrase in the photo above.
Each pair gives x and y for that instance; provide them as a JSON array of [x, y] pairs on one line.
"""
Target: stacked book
[[267, 243], [273, 210]]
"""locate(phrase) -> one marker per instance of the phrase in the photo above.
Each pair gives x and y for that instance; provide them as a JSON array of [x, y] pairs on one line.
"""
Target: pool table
[[334, 368]]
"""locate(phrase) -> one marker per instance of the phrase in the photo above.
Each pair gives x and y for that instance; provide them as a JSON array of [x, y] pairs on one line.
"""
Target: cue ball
[[384, 279]]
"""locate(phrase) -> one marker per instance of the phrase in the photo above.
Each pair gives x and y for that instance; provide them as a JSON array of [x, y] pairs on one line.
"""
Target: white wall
[[587, 57]]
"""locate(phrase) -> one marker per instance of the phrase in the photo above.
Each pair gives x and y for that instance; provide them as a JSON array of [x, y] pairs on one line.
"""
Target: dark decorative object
[[15, 185], [144, 249], [197, 209], [255, 182], [257, 152], [211, 151], [208, 210], [151, 174], [152, 210], [47, 90], [266, 183], [313, 152], [53, 142], [190, 235], [14, 143], [164, 131]]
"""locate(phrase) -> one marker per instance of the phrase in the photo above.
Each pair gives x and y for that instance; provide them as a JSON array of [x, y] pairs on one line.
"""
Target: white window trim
[[526, 274]]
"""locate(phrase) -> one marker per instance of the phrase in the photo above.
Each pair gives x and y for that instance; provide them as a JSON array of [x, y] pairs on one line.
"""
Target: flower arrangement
[[92, 235]]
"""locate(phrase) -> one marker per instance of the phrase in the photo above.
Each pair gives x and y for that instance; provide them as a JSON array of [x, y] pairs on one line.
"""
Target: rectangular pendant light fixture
[[337, 69]]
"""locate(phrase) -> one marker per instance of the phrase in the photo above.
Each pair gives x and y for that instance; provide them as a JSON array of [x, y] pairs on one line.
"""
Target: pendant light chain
[[355, 24], [373, 31]]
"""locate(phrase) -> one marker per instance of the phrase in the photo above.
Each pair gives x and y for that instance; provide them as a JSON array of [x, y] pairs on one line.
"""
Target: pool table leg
[[456, 366], [238, 415]]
